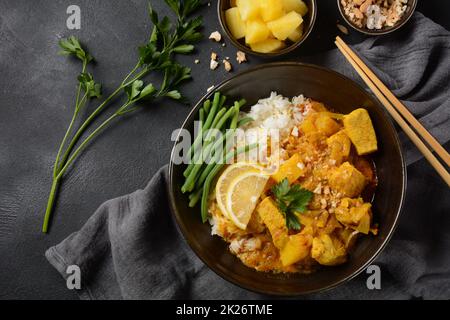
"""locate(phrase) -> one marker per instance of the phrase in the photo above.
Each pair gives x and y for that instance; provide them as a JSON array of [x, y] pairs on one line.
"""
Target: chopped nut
[[326, 190], [213, 56], [318, 190], [294, 132], [342, 28], [227, 65], [323, 203], [223, 44], [197, 61], [213, 64], [216, 36], [240, 57]]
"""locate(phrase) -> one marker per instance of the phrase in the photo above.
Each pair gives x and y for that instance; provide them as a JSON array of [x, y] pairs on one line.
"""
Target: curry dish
[[323, 161]]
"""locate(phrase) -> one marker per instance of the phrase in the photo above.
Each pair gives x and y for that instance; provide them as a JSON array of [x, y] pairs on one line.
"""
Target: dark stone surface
[[37, 89]]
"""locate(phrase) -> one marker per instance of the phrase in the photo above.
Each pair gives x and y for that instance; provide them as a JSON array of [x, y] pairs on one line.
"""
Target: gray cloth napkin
[[131, 249]]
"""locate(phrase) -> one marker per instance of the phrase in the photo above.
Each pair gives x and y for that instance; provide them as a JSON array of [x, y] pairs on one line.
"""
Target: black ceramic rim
[[284, 51], [184, 232], [403, 21]]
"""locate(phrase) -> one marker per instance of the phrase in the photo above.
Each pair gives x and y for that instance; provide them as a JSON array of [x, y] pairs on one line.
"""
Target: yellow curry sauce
[[322, 158]]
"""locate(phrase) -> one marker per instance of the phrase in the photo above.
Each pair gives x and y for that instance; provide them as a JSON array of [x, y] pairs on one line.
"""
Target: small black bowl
[[409, 12], [343, 95], [308, 20]]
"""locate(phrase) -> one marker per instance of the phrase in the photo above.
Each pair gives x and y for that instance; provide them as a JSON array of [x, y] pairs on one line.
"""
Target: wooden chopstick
[[394, 113], [434, 144]]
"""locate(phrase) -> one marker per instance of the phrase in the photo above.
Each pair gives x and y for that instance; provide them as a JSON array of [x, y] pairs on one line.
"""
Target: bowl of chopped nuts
[[267, 28], [376, 17]]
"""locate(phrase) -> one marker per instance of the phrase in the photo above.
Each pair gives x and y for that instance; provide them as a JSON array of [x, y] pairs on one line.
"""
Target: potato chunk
[[355, 214], [271, 9], [235, 23], [274, 221], [268, 45], [248, 9], [297, 248], [283, 27], [328, 251], [347, 180], [339, 145], [292, 169], [359, 129], [295, 5], [256, 31]]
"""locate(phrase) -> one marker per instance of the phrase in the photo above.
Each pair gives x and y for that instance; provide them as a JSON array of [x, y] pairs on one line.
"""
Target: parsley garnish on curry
[[292, 208]]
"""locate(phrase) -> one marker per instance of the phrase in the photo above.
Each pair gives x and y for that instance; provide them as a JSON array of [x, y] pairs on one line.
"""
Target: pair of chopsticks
[[399, 112]]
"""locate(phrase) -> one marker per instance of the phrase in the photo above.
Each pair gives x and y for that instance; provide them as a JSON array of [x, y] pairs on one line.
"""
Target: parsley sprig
[[291, 199], [167, 39]]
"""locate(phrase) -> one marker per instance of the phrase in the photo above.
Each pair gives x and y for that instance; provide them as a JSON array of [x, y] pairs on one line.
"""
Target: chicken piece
[[328, 251], [274, 221], [347, 180], [355, 214], [297, 248], [359, 129], [292, 169], [339, 145]]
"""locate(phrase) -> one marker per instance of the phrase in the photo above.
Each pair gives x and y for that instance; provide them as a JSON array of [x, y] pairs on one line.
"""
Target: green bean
[[195, 197], [194, 173], [201, 116], [244, 121], [222, 101], [234, 121], [218, 117], [214, 172], [206, 125], [207, 106], [215, 159]]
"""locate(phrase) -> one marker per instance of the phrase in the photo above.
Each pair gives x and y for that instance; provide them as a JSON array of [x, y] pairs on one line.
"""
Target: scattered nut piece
[[216, 36], [294, 132], [224, 45], [213, 64], [240, 57], [342, 28], [197, 61], [227, 65], [213, 56]]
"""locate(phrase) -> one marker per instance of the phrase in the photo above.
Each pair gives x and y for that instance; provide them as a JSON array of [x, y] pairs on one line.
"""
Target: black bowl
[[308, 23], [341, 94], [409, 12]]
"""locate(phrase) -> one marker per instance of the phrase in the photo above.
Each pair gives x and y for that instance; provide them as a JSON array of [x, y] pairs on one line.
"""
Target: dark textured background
[[37, 92]]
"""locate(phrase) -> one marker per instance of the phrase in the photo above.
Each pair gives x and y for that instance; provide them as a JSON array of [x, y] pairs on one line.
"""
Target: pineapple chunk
[[249, 9], [274, 221], [359, 129], [284, 26], [266, 46], [292, 169], [297, 248], [271, 9], [297, 34], [339, 145], [256, 31], [295, 5], [235, 23]]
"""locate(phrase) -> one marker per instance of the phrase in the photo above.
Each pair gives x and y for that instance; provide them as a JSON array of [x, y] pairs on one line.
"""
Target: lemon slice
[[242, 196], [223, 183]]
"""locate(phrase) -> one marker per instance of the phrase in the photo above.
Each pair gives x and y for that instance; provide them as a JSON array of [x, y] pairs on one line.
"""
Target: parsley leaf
[[92, 88], [291, 199], [71, 46]]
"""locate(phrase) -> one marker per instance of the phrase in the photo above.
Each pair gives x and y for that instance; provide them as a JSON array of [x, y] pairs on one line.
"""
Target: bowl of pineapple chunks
[[267, 28]]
